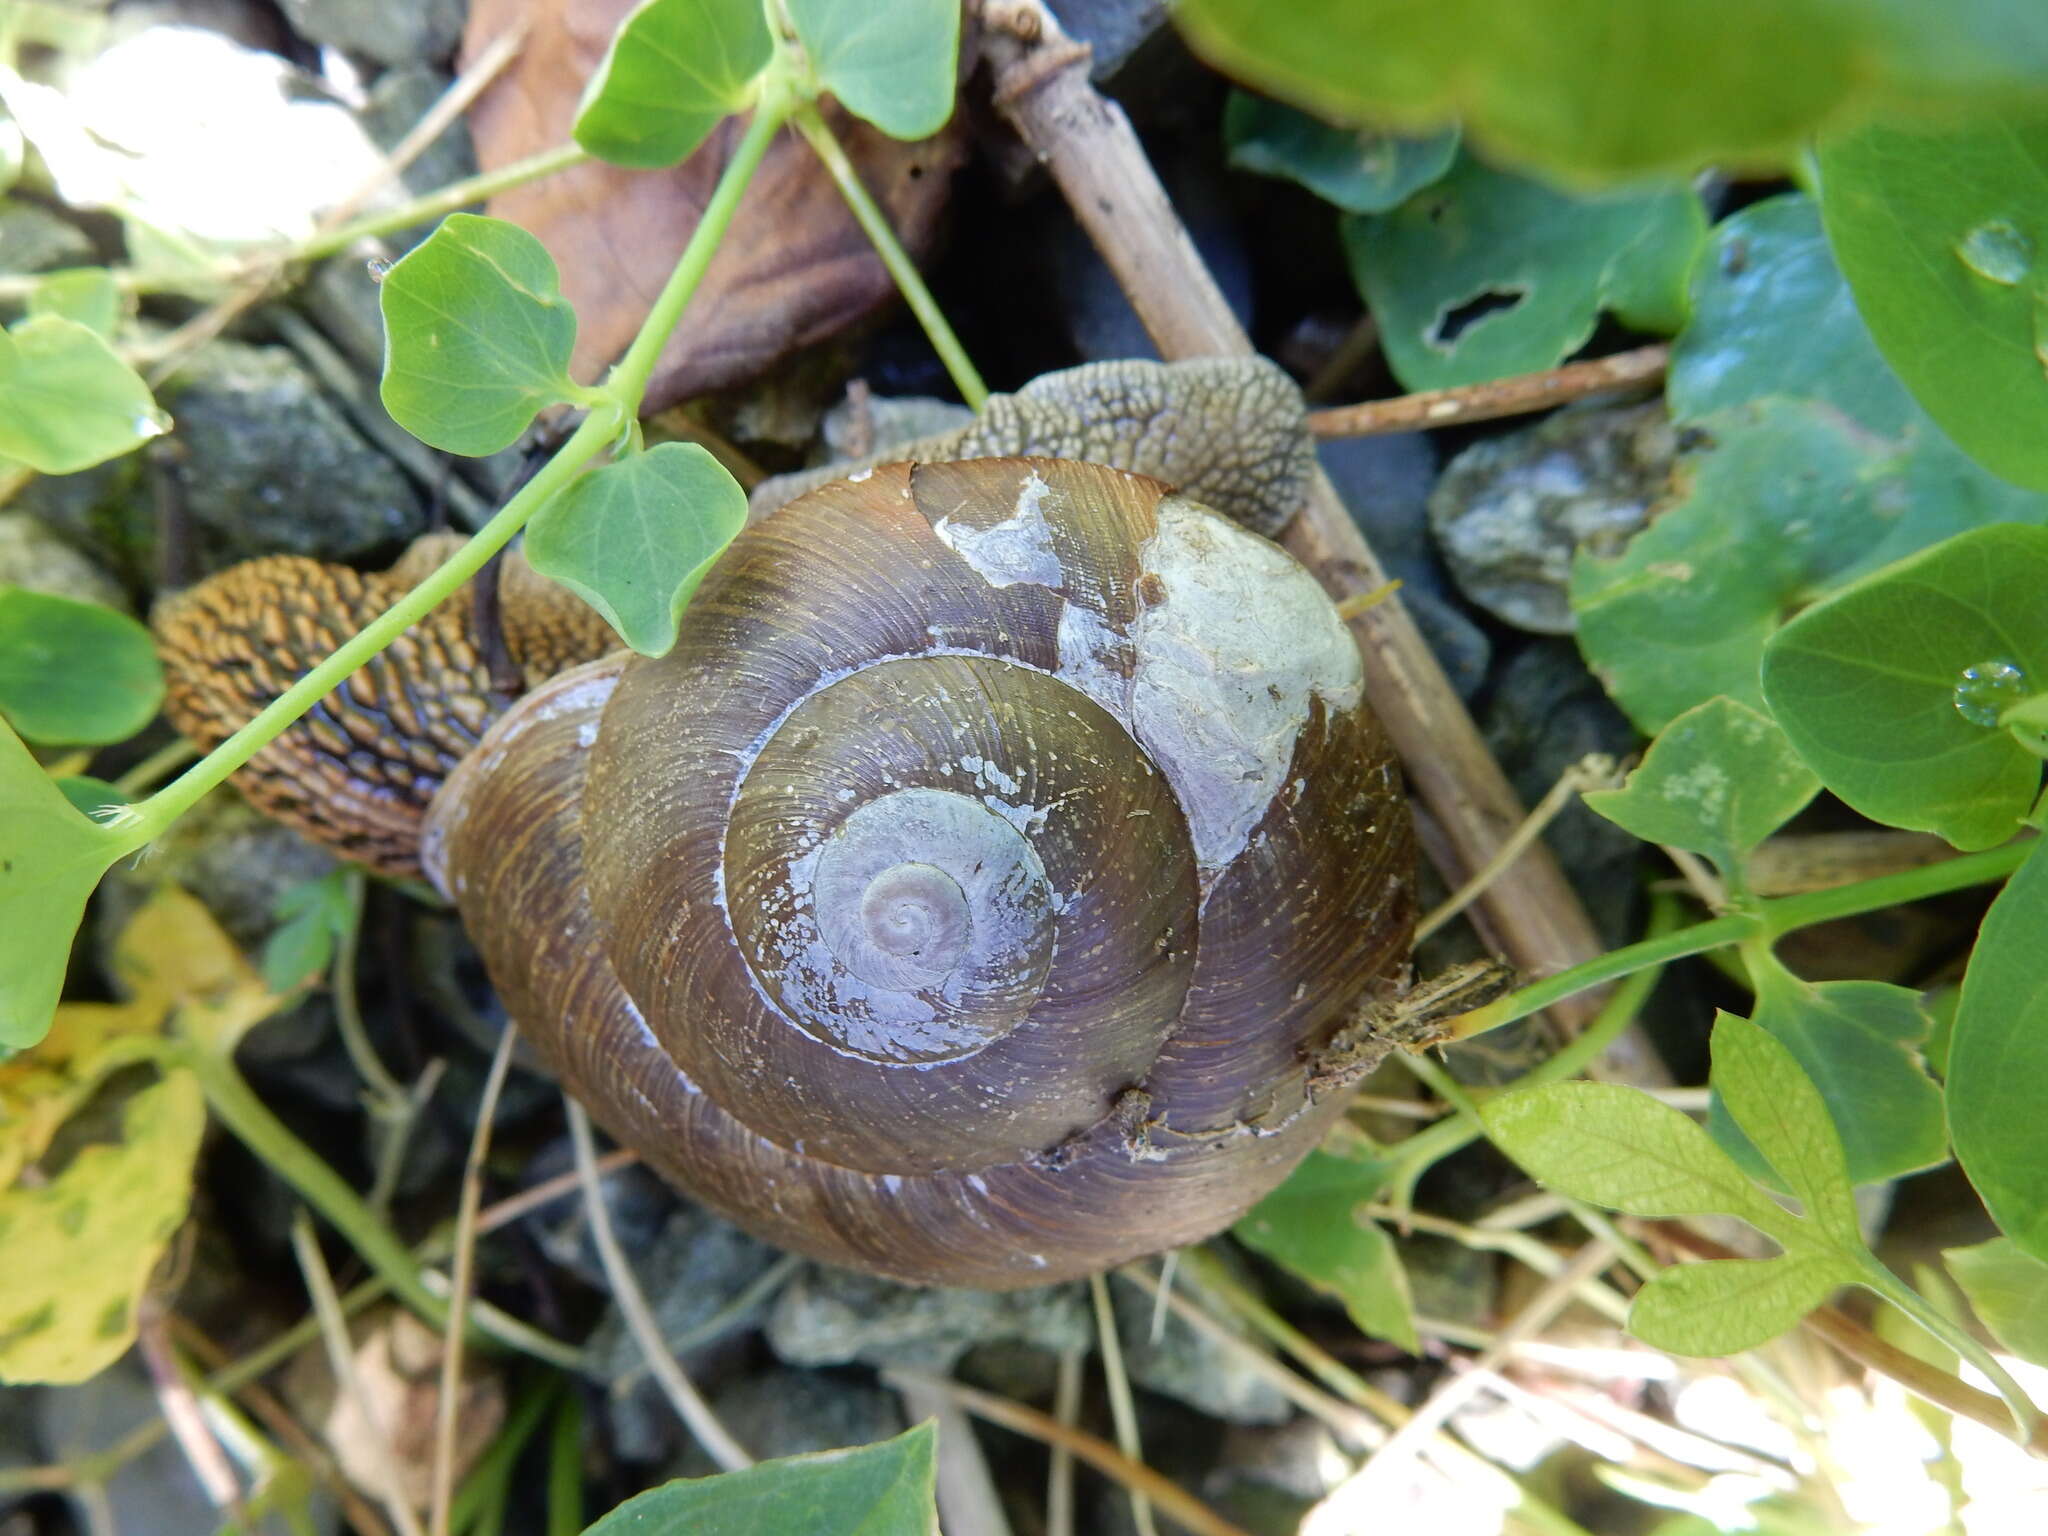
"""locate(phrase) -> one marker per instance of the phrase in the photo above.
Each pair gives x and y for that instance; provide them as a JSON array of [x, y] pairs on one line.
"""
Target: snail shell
[[969, 894]]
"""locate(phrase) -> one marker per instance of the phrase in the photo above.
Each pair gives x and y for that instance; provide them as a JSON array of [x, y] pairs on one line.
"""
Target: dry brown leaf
[[794, 266]]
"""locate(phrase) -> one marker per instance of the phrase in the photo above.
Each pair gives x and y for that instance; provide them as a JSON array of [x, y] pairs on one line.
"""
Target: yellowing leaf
[[82, 1246], [42, 1087], [173, 953]]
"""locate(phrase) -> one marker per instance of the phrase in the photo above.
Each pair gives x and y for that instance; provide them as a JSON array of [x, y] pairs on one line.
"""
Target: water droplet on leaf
[[1997, 251], [1987, 690]]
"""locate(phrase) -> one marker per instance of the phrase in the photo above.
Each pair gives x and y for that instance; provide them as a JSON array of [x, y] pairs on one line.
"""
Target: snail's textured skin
[[357, 773], [1231, 432], [972, 892]]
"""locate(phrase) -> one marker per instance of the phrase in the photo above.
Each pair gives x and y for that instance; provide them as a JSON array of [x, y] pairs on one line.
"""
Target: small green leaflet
[[1942, 231], [1621, 1148], [1717, 780], [1893, 690], [674, 69], [891, 65], [2009, 1289], [886, 1489], [88, 295], [51, 857], [633, 538], [67, 401], [312, 917], [1360, 170], [1483, 274], [1998, 1061], [477, 336], [74, 673], [1310, 1227]]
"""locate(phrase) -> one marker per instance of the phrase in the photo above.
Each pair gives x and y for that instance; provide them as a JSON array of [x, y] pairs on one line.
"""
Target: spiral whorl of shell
[[969, 893]]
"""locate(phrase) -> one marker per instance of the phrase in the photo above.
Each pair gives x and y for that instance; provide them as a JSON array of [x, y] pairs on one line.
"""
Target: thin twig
[[1175, 1501], [1497, 397], [968, 1502], [1594, 771], [461, 1280], [180, 1408], [689, 1405], [341, 1360], [503, 1213], [1059, 1477], [1122, 1411]]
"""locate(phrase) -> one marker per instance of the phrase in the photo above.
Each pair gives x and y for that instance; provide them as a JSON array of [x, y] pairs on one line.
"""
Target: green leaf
[[1361, 170], [88, 295], [674, 68], [1620, 1148], [312, 916], [51, 857], [477, 336], [96, 1231], [1724, 1306], [1998, 1061], [1310, 1227], [74, 673], [1858, 1042], [633, 538], [1762, 1087], [891, 65], [2009, 1289], [67, 402], [1591, 89], [1892, 690], [1485, 274], [872, 1490], [1942, 231], [1718, 780]]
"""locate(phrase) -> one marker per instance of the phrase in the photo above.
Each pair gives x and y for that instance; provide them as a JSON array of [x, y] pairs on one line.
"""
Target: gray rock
[[1461, 647], [780, 1412], [1510, 512], [829, 1316], [388, 31], [32, 556], [33, 239], [638, 1202], [105, 509], [1384, 483], [1100, 320], [1546, 712], [692, 1274], [1189, 1366], [397, 102], [1114, 29], [891, 419], [272, 465], [340, 296]]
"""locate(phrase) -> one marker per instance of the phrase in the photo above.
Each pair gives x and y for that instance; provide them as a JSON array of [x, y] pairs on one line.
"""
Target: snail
[[983, 891]]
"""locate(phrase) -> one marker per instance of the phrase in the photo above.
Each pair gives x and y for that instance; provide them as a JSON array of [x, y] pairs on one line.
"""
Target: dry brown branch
[[1041, 84], [1497, 397]]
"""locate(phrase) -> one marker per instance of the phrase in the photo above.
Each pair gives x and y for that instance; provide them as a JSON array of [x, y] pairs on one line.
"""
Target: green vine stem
[[1766, 919], [614, 407], [909, 281], [1930, 1317]]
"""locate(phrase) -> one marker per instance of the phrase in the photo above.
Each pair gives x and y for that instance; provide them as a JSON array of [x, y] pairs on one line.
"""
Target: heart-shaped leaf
[[673, 70], [891, 65], [67, 401], [74, 673]]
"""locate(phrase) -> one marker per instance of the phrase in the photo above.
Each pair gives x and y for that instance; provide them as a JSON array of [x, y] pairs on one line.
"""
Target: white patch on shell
[[1226, 666], [1093, 659], [1017, 549]]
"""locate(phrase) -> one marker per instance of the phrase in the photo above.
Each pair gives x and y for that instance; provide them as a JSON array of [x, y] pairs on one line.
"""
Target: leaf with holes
[[74, 673], [1717, 780], [673, 70], [886, 1489], [1896, 690], [634, 538], [96, 1231], [1942, 231], [51, 857], [1361, 170], [1484, 274], [477, 336], [1592, 89], [1998, 1060], [67, 401], [891, 65], [1310, 1226]]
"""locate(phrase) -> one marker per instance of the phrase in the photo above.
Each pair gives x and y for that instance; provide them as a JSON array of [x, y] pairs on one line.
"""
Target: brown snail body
[[977, 890]]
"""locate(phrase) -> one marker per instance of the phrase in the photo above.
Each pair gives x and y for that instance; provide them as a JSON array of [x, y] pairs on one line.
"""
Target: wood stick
[[1041, 85], [1496, 397]]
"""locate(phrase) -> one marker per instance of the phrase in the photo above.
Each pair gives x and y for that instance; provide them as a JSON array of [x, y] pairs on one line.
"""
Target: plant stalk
[[909, 281]]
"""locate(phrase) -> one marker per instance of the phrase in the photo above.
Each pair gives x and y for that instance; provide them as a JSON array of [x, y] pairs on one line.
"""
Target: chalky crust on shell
[[1000, 650]]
